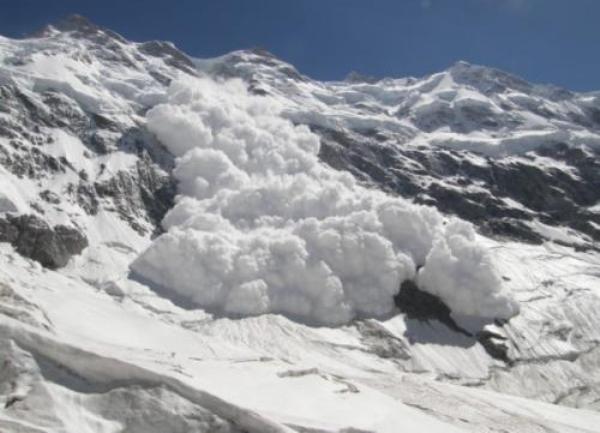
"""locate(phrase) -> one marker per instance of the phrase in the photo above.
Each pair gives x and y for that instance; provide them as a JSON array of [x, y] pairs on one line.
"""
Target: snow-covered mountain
[[227, 245]]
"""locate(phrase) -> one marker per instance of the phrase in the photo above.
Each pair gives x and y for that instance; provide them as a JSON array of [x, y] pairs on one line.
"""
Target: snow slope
[[270, 253], [257, 374]]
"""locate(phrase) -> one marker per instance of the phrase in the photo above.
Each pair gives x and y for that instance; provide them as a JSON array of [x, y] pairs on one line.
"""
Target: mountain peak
[[357, 77], [75, 22], [461, 64], [462, 67], [79, 26], [485, 78]]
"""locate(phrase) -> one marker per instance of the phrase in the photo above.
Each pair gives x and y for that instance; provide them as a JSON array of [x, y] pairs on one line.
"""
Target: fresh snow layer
[[262, 226]]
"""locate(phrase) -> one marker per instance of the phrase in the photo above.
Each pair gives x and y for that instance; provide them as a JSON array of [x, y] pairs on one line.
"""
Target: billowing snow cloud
[[261, 225], [460, 271]]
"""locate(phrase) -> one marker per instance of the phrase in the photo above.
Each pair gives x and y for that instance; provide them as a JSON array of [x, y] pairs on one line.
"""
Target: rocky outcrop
[[32, 237], [142, 193], [501, 196], [420, 305], [494, 344]]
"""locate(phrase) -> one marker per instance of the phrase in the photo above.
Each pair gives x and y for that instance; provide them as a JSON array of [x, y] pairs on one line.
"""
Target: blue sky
[[550, 41]]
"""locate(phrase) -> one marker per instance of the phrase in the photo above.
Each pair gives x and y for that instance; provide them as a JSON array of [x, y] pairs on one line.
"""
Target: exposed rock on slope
[[32, 237]]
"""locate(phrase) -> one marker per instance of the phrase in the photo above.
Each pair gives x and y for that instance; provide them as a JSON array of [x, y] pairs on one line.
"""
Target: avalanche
[[261, 225], [264, 224]]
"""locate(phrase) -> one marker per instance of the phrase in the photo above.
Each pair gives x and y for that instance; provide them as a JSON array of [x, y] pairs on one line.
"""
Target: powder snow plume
[[262, 226]]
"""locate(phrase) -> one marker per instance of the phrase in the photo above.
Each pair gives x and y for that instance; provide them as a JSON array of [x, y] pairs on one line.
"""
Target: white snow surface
[[124, 359]]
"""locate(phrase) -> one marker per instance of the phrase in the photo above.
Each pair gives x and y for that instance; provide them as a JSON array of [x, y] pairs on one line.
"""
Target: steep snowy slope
[[227, 245]]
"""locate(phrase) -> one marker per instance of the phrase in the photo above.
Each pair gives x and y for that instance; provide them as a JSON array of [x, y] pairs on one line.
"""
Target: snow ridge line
[[102, 370]]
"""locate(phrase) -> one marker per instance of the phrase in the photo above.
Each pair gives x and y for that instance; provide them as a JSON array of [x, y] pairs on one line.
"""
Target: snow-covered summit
[[77, 26], [176, 231]]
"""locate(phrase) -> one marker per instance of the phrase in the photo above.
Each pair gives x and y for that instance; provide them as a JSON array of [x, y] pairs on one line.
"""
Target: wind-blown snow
[[262, 226]]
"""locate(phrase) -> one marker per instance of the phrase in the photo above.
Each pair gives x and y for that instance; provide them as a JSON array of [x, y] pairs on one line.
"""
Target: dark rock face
[[141, 195], [170, 54], [494, 344], [478, 191], [236, 66], [34, 238], [420, 305], [423, 306], [381, 341]]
